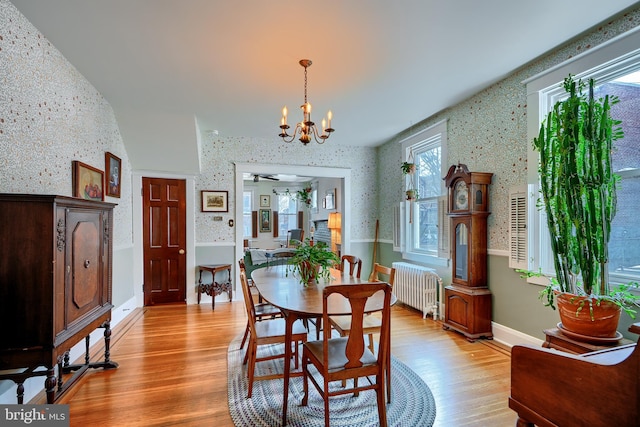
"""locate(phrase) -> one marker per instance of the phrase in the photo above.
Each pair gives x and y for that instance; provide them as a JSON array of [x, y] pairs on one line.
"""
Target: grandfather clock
[[468, 299]]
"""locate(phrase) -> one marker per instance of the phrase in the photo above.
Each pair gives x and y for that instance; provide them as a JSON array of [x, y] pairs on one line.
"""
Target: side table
[[214, 288], [554, 338]]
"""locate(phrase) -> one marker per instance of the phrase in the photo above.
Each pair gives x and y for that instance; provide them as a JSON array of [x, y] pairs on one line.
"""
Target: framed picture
[[330, 199], [265, 220], [265, 201], [113, 168], [87, 181], [215, 201]]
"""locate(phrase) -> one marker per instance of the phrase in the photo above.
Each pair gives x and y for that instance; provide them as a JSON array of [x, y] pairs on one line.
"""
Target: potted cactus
[[578, 194]]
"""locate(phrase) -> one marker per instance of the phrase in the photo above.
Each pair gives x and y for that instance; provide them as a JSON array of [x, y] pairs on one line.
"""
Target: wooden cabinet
[[468, 311], [55, 285]]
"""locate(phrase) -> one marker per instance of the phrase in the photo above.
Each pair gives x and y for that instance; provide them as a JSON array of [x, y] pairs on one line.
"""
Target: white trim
[[420, 132], [597, 57], [498, 252], [217, 244], [425, 259], [305, 170], [511, 337]]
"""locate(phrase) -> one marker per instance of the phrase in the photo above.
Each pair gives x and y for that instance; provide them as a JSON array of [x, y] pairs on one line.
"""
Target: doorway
[[164, 240], [344, 174]]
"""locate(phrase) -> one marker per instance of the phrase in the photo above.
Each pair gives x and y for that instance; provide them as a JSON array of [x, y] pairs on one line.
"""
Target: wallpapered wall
[[51, 115], [218, 173], [488, 133]]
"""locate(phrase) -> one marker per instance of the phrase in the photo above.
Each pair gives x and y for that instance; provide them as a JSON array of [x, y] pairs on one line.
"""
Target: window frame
[[432, 137], [292, 196], [612, 59], [245, 214]]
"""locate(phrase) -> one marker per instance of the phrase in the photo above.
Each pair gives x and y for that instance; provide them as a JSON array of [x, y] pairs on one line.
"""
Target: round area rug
[[412, 403]]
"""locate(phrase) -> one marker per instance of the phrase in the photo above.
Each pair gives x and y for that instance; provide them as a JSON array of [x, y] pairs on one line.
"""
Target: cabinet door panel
[[84, 281]]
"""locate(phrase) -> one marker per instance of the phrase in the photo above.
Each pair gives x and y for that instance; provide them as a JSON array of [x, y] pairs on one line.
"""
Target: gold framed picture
[[87, 181], [113, 168], [265, 220], [215, 201]]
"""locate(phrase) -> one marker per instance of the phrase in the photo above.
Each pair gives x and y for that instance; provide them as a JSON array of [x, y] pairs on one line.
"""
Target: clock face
[[461, 196]]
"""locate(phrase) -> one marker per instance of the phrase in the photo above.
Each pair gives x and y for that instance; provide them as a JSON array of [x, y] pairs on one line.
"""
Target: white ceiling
[[379, 65]]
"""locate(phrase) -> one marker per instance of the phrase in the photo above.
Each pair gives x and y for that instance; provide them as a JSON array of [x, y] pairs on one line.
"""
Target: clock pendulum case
[[467, 298]]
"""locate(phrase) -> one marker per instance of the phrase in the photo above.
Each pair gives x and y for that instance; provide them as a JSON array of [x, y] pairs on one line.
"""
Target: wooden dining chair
[[355, 264], [263, 310], [268, 331], [345, 358], [372, 323]]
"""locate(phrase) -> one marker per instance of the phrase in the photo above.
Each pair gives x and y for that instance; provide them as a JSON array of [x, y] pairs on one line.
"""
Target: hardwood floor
[[173, 370]]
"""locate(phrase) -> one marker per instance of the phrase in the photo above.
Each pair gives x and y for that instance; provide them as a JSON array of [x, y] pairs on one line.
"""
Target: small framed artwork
[[87, 181], [265, 201], [113, 167], [215, 201], [330, 199], [265, 220]]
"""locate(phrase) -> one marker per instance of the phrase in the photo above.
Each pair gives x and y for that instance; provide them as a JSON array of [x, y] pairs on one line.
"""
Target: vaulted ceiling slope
[[379, 65]]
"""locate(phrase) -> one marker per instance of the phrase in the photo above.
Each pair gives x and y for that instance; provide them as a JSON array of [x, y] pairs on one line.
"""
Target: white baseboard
[[511, 337]]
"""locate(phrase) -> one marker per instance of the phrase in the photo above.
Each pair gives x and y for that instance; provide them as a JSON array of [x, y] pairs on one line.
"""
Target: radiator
[[418, 287]]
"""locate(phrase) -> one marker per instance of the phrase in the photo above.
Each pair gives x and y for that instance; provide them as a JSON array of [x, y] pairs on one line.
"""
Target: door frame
[[138, 250], [312, 171]]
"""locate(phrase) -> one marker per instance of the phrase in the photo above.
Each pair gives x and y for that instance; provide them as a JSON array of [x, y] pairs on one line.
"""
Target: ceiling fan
[[256, 177]]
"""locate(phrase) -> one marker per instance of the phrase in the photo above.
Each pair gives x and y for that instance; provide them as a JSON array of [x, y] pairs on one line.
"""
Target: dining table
[[280, 286]]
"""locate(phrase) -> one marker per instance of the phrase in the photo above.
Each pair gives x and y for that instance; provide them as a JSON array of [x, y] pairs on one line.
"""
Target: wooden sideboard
[[556, 388], [55, 286]]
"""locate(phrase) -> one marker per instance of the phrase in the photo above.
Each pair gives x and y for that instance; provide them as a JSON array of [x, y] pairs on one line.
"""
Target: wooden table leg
[[290, 319]]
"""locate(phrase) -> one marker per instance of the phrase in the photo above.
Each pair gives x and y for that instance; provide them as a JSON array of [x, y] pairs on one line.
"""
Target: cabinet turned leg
[[521, 422], [20, 393], [63, 361], [87, 345], [50, 385], [108, 364]]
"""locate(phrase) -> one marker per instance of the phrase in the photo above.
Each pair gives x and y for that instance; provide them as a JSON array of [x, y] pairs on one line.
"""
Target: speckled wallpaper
[[218, 173], [51, 115], [488, 133]]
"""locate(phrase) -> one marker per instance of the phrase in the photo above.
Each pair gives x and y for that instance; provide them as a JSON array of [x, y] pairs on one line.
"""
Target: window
[[287, 212], [618, 75], [247, 207], [424, 216]]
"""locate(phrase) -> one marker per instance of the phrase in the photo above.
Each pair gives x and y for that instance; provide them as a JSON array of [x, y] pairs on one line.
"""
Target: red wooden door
[[164, 233]]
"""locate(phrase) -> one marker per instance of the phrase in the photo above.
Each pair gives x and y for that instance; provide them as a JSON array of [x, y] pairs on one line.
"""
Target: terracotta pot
[[308, 272], [603, 323]]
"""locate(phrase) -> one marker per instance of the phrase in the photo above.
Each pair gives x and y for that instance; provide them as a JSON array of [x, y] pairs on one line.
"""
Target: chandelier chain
[[305, 85]]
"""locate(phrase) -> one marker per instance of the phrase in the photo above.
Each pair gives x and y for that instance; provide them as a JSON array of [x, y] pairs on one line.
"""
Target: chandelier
[[306, 128]]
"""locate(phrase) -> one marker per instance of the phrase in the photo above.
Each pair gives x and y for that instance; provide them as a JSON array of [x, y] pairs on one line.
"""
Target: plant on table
[[312, 260]]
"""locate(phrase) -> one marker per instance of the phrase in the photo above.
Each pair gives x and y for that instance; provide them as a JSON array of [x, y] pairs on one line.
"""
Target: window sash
[[540, 256], [422, 222]]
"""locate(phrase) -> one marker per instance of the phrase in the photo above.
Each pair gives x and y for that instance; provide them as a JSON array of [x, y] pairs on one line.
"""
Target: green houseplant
[[408, 168], [578, 195], [312, 260]]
